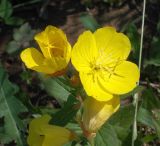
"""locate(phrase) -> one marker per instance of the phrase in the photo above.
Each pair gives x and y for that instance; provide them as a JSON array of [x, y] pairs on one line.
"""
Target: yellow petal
[[31, 57], [37, 123], [34, 139], [96, 113], [53, 43], [93, 88], [36, 133], [56, 131], [58, 64], [103, 36], [84, 52], [42, 40], [43, 134], [34, 60], [56, 135], [112, 46], [58, 39], [123, 79], [54, 141]]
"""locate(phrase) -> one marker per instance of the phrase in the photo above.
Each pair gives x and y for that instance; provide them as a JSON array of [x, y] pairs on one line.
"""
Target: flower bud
[[54, 55], [96, 113]]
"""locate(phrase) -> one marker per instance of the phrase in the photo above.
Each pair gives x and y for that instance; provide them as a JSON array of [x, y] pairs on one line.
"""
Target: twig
[[153, 85], [43, 8]]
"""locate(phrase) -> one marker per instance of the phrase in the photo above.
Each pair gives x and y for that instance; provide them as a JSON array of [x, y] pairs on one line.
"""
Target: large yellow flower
[[43, 134], [100, 58], [55, 55], [96, 113]]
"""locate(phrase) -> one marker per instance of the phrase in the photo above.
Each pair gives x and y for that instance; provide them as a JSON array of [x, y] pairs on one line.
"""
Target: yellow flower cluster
[[100, 59]]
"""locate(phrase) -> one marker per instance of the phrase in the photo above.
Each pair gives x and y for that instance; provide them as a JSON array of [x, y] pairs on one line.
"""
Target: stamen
[[57, 52]]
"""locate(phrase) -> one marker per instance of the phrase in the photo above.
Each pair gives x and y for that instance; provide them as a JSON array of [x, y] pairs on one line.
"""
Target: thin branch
[[153, 85]]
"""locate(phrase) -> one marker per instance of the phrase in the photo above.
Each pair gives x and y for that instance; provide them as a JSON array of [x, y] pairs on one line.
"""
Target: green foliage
[[134, 37], [149, 100], [145, 117], [67, 113], [154, 53], [61, 89], [137, 89], [75, 127], [107, 136], [21, 39], [6, 10], [58, 88], [157, 123], [10, 108], [148, 113], [89, 22], [115, 131]]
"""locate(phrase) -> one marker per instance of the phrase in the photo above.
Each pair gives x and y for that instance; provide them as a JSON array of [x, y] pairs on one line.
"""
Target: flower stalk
[[136, 96]]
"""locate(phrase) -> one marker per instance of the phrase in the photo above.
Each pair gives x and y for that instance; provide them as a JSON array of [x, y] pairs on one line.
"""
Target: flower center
[[55, 51], [104, 68]]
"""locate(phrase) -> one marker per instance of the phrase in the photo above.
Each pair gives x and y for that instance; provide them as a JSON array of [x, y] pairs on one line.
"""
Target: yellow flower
[[43, 134], [96, 113], [55, 55], [100, 58]]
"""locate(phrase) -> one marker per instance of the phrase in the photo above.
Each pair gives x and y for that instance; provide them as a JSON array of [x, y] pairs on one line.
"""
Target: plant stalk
[[136, 96], [91, 140]]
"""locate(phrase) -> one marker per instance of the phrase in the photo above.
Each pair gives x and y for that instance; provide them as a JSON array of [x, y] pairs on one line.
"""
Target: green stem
[[92, 141], [136, 96]]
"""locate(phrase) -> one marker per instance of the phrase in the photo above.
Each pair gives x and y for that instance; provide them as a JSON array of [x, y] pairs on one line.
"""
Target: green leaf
[[158, 26], [14, 21], [107, 136], [59, 88], [152, 61], [117, 129], [69, 144], [155, 46], [137, 89], [75, 127], [67, 113], [121, 125], [154, 54], [145, 117], [134, 37], [24, 33], [12, 47], [10, 107], [6, 9], [149, 100], [156, 122], [149, 138], [89, 22], [148, 113], [21, 38]]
